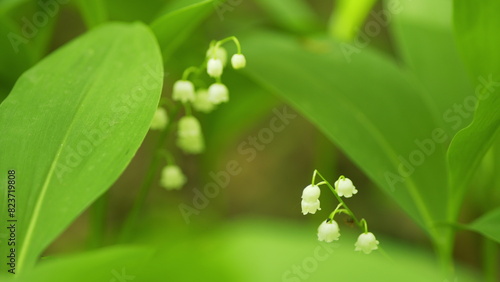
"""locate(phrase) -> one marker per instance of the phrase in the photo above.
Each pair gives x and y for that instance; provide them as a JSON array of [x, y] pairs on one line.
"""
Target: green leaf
[[173, 27], [348, 17], [93, 12], [488, 225], [476, 27], [117, 263], [71, 125], [368, 107], [294, 15], [424, 36]]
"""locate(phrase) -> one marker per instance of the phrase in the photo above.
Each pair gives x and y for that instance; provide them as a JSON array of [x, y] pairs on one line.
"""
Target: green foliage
[[71, 125], [488, 225], [477, 35]]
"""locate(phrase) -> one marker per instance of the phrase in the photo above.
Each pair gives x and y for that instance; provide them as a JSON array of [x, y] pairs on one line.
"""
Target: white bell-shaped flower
[[160, 119], [309, 206], [220, 53], [189, 135], [214, 67], [344, 187], [202, 103], [311, 193], [366, 242], [172, 177], [238, 61], [183, 91], [328, 231], [218, 93]]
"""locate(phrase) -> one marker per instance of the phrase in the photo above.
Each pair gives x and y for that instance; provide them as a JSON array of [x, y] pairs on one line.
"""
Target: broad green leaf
[[117, 263], [348, 17], [93, 12], [294, 15], [71, 125], [173, 27], [368, 107], [488, 225], [476, 26], [424, 36]]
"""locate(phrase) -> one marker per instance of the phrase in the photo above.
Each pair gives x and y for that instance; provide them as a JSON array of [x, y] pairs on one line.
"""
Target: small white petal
[[310, 207], [311, 193], [344, 187], [202, 103], [238, 61], [160, 119], [366, 242], [214, 67], [218, 93], [328, 231], [183, 91], [172, 177], [220, 54]]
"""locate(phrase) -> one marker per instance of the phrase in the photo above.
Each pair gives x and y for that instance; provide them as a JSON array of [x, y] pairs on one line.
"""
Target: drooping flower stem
[[153, 168]]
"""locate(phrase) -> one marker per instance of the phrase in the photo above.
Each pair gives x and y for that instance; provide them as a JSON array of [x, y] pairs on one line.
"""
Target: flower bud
[[214, 67], [172, 177], [190, 137], [366, 242], [160, 119], [220, 54], [218, 93], [183, 91], [328, 231], [344, 187], [202, 103], [238, 61]]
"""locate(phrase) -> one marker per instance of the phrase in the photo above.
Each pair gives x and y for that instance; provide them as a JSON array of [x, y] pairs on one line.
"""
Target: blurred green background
[[253, 230]]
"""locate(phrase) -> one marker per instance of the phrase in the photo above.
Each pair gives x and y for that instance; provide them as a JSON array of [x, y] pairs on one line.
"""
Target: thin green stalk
[[97, 219], [490, 260], [133, 215]]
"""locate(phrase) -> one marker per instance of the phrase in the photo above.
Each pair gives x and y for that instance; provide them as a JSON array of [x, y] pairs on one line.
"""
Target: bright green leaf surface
[[488, 225], [93, 12], [368, 107], [118, 263], [424, 36], [72, 124], [348, 18], [173, 27], [294, 15], [477, 35]]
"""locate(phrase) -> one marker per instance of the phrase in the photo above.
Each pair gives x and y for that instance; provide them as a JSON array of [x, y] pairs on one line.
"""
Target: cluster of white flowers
[[202, 99], [328, 230]]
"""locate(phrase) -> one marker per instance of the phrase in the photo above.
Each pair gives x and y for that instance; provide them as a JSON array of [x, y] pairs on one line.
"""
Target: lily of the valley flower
[[214, 67], [238, 61], [183, 91], [160, 119], [202, 103], [218, 93], [344, 187], [366, 243], [189, 135], [220, 53], [310, 199], [172, 177], [328, 231]]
